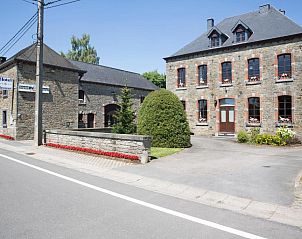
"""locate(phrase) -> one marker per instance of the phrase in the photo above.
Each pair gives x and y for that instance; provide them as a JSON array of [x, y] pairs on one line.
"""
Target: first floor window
[[183, 104], [142, 98], [202, 111], [202, 75], [254, 110], [81, 96], [181, 77], [253, 69], [284, 66], [285, 109], [226, 72], [5, 93]]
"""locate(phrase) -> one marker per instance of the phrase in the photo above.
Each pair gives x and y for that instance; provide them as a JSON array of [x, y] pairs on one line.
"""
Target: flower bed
[[94, 151], [8, 137]]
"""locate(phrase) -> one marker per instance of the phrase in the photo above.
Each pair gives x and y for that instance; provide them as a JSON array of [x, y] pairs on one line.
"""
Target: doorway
[[227, 116]]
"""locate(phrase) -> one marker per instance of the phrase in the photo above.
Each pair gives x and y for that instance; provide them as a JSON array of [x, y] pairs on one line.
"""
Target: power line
[[26, 30], [29, 2], [49, 3], [63, 4], [29, 22]]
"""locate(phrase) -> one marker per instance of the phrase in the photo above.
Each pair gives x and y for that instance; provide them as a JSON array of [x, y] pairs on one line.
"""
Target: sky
[[132, 35]]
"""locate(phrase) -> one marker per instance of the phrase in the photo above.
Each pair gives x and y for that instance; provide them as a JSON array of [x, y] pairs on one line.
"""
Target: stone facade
[[98, 96], [268, 88], [129, 144], [60, 105]]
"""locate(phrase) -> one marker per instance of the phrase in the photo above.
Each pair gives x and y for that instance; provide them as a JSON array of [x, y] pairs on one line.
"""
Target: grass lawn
[[162, 152]]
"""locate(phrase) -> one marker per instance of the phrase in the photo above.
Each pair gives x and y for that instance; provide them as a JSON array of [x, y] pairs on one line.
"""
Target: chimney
[[210, 23], [282, 11], [2, 59], [264, 8]]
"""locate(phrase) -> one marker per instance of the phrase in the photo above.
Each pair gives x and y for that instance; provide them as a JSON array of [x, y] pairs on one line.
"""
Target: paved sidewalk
[[155, 177]]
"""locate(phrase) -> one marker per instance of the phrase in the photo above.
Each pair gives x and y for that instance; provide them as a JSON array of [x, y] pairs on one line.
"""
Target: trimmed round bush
[[242, 137], [162, 116]]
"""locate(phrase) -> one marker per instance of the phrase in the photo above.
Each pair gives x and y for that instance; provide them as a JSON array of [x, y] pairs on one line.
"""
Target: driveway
[[261, 173]]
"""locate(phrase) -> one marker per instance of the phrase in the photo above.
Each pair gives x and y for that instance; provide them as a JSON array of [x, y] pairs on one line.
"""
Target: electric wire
[[12, 42], [62, 4], [22, 28]]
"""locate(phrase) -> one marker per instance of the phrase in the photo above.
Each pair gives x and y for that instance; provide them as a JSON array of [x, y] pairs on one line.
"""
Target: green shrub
[[125, 115], [253, 134], [162, 116], [269, 139], [242, 136], [285, 134]]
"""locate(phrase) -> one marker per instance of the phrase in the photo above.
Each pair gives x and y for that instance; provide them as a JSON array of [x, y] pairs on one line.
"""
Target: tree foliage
[[162, 116], [156, 78], [125, 115], [81, 50]]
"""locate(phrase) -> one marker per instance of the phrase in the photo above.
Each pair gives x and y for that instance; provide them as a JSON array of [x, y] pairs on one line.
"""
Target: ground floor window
[[254, 109], [285, 109], [4, 119], [110, 110], [86, 120], [202, 111]]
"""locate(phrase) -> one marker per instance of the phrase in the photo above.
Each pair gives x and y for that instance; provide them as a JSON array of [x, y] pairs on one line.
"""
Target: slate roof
[[111, 76], [50, 57], [264, 25]]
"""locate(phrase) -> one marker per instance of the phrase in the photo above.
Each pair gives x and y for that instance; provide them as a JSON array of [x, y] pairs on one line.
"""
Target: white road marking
[[142, 203]]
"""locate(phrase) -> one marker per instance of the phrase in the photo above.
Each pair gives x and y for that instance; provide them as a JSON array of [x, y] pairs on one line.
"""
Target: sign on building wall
[[6, 83], [32, 88]]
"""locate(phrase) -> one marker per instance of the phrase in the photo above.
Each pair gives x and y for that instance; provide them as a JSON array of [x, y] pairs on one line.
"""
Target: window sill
[[253, 82], [287, 125], [82, 103], [226, 85], [202, 86], [181, 88], [202, 124], [284, 80], [252, 124]]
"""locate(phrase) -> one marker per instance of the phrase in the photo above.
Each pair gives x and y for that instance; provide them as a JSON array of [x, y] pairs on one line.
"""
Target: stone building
[[244, 72], [75, 94]]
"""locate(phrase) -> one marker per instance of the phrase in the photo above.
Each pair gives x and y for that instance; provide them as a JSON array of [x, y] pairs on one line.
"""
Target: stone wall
[[60, 106], [268, 88], [129, 144], [97, 96], [8, 103]]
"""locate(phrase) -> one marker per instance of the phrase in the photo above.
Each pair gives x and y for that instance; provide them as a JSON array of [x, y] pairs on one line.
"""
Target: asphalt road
[[41, 200]]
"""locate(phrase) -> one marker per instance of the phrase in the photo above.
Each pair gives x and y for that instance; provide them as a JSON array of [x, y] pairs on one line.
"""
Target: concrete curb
[[273, 212]]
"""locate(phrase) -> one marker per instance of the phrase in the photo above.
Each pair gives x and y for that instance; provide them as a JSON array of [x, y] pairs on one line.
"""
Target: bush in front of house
[[285, 134], [242, 136], [162, 116]]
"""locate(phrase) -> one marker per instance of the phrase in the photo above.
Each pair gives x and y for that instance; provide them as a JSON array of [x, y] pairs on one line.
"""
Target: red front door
[[227, 119]]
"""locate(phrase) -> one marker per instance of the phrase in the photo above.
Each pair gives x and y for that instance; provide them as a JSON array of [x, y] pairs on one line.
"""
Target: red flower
[[94, 151], [8, 137]]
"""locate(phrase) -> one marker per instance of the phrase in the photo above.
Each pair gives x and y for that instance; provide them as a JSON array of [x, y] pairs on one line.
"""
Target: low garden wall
[[115, 145]]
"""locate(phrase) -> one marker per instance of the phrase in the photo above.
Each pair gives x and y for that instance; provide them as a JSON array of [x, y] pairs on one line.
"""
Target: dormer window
[[216, 37], [241, 32], [215, 40]]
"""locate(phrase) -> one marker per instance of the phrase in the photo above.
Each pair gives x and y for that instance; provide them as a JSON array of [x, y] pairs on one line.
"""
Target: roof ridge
[[108, 67]]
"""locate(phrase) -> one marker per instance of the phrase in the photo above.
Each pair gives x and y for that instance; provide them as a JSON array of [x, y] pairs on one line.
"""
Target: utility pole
[[39, 76]]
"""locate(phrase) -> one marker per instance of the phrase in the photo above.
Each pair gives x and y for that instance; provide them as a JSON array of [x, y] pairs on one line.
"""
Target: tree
[[156, 78], [162, 116], [125, 116], [81, 50]]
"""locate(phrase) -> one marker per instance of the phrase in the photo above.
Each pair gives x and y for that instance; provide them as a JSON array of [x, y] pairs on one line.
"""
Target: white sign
[[6, 83], [32, 88]]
